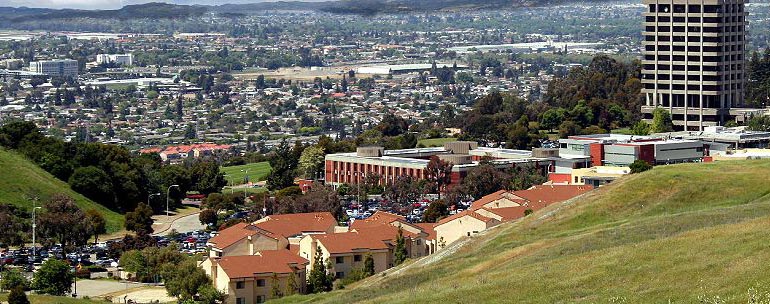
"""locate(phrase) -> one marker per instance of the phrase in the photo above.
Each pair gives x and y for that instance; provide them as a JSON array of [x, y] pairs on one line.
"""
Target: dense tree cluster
[[605, 94], [110, 174]]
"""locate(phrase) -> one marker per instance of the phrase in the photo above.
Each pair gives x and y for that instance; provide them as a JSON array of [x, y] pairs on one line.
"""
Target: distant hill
[[691, 233], [149, 10], [360, 7], [21, 179]]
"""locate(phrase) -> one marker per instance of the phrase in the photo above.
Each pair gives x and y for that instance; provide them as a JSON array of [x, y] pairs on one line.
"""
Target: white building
[[122, 59], [59, 67]]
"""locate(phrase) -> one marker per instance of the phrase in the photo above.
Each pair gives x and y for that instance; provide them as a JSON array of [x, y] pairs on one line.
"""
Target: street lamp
[[149, 197], [245, 179], [34, 225], [167, 196]]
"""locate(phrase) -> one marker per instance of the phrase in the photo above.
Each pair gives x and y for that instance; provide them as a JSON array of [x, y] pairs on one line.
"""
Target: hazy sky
[[112, 4]]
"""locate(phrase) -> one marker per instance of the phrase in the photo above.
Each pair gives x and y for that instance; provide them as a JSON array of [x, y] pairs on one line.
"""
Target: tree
[[95, 224], [661, 121], [639, 166], [319, 280], [54, 277], [13, 278], [552, 118], [400, 252], [11, 226], [369, 265], [140, 220], [275, 287], [206, 177], [17, 296], [185, 280], [484, 179], [283, 166], [402, 190], [63, 222], [208, 217], [311, 162], [435, 211], [439, 172], [210, 295], [134, 261], [641, 128]]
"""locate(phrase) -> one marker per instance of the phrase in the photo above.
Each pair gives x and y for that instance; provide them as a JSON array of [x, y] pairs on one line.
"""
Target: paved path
[[184, 223]]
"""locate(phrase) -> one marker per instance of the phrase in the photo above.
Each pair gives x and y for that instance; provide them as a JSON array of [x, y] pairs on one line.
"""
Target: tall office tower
[[693, 63]]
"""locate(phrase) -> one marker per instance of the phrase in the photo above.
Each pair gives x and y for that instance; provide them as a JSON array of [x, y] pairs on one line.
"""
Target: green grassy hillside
[[21, 179], [681, 233]]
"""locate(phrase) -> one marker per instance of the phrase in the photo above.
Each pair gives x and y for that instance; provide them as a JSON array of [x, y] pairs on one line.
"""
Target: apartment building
[[249, 279], [693, 60]]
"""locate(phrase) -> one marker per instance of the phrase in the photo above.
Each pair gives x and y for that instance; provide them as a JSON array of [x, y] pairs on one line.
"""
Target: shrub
[[639, 166], [13, 278], [17, 296]]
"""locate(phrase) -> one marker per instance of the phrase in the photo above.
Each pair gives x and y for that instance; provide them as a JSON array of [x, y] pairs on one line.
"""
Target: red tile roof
[[268, 261], [428, 228], [288, 225], [233, 234], [348, 242]]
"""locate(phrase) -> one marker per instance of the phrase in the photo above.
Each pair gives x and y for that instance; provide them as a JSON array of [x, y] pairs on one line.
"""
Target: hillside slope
[[680, 233], [21, 179]]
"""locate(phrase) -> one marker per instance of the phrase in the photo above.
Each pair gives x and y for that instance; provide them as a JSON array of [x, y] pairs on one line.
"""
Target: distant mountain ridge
[[150, 10], [156, 10]]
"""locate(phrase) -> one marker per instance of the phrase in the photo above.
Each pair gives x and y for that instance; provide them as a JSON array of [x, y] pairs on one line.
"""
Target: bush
[[17, 296], [53, 278], [13, 278], [639, 166]]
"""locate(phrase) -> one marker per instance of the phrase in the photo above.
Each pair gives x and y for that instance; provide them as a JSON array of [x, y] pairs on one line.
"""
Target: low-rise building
[[347, 251], [256, 278], [499, 207]]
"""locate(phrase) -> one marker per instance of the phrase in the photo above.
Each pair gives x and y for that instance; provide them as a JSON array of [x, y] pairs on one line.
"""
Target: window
[[240, 300], [357, 258], [339, 274], [339, 260], [261, 299], [240, 285], [261, 283]]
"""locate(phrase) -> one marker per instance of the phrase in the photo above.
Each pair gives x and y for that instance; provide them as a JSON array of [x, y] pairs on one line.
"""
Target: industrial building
[[693, 60], [55, 68]]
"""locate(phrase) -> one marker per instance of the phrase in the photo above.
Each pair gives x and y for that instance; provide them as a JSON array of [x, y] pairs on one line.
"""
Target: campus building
[[122, 59], [622, 150], [55, 68], [387, 165], [693, 60]]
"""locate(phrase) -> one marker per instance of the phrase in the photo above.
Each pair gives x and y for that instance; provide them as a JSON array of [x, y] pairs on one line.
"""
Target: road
[[186, 223]]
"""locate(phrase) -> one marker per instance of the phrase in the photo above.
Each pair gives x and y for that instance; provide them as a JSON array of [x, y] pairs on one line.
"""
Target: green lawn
[[435, 142], [21, 179], [257, 172], [691, 233]]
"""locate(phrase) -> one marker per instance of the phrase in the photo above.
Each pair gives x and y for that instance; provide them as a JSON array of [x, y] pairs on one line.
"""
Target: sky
[[110, 4]]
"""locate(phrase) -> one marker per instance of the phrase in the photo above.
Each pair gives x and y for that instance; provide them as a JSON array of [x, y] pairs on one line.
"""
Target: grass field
[[21, 179], [435, 142], [257, 172], [678, 234]]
